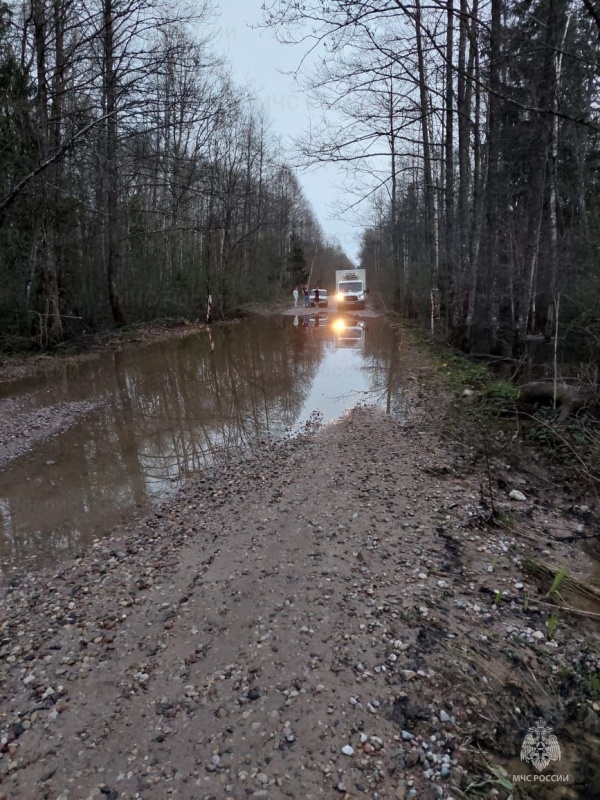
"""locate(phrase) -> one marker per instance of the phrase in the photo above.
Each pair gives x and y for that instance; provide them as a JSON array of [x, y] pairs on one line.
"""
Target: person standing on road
[[306, 294], [317, 298], [295, 295]]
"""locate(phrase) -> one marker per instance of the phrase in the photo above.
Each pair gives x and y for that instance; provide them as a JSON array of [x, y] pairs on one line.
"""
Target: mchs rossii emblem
[[540, 746]]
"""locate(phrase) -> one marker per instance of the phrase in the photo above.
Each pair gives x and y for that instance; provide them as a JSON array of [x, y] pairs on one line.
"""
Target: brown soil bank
[[328, 617]]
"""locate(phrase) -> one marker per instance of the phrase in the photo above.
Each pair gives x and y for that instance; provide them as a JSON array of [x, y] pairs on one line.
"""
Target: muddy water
[[165, 410]]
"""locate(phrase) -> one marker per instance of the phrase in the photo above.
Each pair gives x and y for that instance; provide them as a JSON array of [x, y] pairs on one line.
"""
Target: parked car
[[323, 298]]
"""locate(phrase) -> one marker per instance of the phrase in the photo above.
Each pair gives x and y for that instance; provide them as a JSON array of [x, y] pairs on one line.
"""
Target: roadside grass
[[486, 415], [464, 377]]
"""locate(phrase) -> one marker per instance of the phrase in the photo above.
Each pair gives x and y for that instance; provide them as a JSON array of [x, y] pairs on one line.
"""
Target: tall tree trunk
[[430, 213], [394, 194], [112, 174], [477, 204], [51, 327], [580, 149], [260, 192], [553, 211], [449, 163], [465, 91], [526, 300], [493, 176]]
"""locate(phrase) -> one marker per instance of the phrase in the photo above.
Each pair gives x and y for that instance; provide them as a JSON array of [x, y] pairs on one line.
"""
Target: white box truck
[[351, 288]]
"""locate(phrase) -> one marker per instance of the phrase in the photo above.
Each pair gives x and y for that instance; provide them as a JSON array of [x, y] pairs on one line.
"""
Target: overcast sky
[[257, 59]]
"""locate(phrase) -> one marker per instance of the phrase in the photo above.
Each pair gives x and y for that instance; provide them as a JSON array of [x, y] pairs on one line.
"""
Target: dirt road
[[325, 618]]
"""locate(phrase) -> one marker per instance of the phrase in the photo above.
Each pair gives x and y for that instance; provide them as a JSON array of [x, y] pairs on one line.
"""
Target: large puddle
[[166, 409]]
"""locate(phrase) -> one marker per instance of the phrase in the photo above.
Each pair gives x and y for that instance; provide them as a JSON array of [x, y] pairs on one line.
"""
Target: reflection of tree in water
[[47, 508], [382, 358], [171, 407], [209, 400]]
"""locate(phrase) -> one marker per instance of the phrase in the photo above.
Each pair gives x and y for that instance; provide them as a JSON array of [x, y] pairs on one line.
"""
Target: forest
[[136, 178], [469, 129]]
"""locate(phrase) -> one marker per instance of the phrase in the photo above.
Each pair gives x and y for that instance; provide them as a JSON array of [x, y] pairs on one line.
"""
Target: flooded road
[[163, 411]]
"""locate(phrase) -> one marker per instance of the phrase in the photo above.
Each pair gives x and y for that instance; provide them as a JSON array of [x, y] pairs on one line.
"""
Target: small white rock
[[347, 750], [517, 495]]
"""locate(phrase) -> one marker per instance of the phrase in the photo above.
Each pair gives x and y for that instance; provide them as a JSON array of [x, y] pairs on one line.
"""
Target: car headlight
[[339, 297]]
